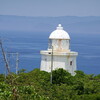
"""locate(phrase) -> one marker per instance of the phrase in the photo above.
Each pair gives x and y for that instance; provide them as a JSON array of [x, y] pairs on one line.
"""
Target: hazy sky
[[50, 7]]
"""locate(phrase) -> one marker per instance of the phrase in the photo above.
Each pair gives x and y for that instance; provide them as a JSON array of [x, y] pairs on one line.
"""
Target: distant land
[[73, 24]]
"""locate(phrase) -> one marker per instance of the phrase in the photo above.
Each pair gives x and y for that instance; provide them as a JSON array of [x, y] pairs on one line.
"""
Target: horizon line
[[48, 16]]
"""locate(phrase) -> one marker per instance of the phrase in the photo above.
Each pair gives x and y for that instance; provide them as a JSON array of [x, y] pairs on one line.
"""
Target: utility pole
[[17, 60], [5, 58], [51, 65]]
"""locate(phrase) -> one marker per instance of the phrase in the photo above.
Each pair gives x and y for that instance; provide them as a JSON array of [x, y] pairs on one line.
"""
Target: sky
[[50, 7]]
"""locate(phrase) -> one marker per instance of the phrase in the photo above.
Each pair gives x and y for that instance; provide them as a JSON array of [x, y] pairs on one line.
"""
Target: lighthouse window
[[45, 59], [50, 43], [70, 62], [49, 52]]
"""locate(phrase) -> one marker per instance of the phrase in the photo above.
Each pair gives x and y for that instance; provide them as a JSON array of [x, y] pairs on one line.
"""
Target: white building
[[58, 54]]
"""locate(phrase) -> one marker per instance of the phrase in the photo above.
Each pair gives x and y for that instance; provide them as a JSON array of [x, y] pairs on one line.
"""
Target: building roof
[[59, 33]]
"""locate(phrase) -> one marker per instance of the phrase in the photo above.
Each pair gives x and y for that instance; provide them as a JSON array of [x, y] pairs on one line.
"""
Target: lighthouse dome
[[59, 33]]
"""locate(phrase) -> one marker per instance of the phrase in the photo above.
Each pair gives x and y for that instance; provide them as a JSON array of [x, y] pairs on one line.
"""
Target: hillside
[[36, 85]]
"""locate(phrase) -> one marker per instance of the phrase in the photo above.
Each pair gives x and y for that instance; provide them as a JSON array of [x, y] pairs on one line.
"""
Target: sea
[[29, 44]]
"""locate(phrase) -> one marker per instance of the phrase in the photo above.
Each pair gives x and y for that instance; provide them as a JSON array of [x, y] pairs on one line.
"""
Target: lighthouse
[[58, 55]]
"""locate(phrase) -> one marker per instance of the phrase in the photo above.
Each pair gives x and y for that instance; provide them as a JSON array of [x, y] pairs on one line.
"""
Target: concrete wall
[[65, 62]]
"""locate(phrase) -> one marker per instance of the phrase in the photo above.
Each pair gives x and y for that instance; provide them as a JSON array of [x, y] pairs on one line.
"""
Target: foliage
[[35, 85], [61, 76], [1, 77], [21, 71]]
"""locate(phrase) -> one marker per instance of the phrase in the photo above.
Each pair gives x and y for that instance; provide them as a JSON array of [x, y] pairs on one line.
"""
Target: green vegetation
[[35, 85]]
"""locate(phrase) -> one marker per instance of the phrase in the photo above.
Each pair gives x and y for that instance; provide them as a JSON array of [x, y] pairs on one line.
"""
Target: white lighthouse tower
[[58, 54]]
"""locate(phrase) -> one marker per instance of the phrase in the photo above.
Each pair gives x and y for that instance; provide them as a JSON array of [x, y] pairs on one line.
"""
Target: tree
[[60, 76]]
